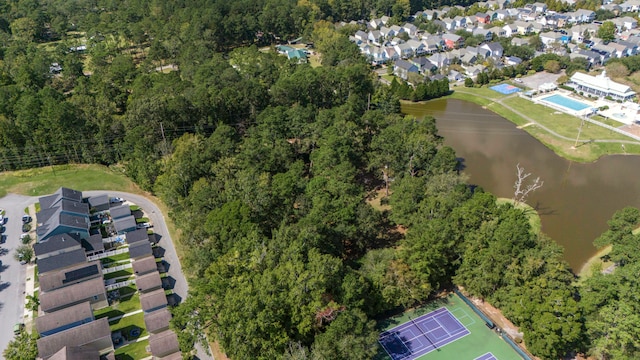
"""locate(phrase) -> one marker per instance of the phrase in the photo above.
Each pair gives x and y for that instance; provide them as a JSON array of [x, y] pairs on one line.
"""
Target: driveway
[[12, 274]]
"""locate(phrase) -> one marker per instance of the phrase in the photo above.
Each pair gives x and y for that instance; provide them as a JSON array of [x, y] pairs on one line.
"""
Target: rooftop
[[86, 290], [72, 314], [95, 335], [61, 261]]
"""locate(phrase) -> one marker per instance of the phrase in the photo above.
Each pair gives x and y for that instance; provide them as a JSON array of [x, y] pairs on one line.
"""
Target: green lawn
[[564, 124], [479, 341], [129, 301], [119, 273], [133, 351], [127, 323], [46, 180], [115, 258]]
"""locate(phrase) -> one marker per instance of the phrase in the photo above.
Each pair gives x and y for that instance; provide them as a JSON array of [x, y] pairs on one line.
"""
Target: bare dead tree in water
[[522, 189]]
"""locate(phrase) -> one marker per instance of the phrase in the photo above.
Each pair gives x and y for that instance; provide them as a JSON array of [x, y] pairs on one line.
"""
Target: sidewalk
[[30, 277]]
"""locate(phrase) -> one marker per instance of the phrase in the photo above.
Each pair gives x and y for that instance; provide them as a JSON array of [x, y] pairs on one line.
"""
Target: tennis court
[[444, 329], [422, 335], [505, 89]]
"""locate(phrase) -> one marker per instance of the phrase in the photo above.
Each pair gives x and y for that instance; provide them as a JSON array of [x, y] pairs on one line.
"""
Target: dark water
[[576, 200]]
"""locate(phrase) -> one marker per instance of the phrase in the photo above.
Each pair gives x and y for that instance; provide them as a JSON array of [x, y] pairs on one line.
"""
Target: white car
[[143, 225], [115, 200]]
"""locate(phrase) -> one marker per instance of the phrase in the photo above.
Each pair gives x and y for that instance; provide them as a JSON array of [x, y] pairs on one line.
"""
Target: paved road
[[159, 227], [12, 274]]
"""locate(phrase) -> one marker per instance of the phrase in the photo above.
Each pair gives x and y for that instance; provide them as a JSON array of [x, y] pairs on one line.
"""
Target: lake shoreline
[[584, 152]]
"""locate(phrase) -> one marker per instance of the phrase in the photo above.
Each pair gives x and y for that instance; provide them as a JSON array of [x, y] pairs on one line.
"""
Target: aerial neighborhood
[[96, 262], [434, 39]]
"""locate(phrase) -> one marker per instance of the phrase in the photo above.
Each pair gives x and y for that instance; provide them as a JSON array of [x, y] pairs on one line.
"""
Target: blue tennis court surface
[[487, 356], [566, 102], [505, 89], [422, 335]]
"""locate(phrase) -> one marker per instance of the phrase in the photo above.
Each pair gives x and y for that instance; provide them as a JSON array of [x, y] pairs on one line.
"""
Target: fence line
[[119, 285], [107, 254], [115, 268]]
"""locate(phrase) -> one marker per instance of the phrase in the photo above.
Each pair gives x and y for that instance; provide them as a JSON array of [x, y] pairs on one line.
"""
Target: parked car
[[115, 200], [26, 219], [17, 328], [143, 225]]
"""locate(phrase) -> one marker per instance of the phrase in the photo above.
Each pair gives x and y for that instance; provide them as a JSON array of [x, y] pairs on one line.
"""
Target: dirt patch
[[375, 200], [217, 352], [631, 129], [496, 316]]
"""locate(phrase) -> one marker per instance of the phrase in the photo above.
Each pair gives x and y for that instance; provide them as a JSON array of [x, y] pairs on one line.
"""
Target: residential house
[[125, 224], [79, 353], [498, 31], [538, 7], [512, 60], [99, 202], [417, 47], [404, 50], [495, 49], [601, 86], [157, 321], [469, 58], [70, 275], [423, 64], [136, 236], [61, 261], [461, 22], [487, 34], [614, 8], [92, 290], [140, 250], [93, 245], [144, 265], [510, 30], [527, 15], [625, 23], [631, 47], [482, 18], [439, 60], [592, 57], [455, 76], [148, 282], [50, 201], [55, 245], [361, 36], [452, 41], [537, 27], [549, 38], [582, 16], [430, 14], [119, 211], [523, 28], [473, 71], [403, 68], [64, 216], [390, 54], [57, 321], [153, 300], [520, 41], [501, 15], [163, 344], [450, 24], [395, 30], [410, 29], [95, 336], [630, 6], [432, 44], [375, 36]]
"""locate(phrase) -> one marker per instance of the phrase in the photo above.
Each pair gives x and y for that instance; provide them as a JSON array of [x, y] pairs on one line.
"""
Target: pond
[[576, 199]]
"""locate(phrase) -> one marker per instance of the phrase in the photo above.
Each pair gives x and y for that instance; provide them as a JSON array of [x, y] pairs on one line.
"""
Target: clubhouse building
[[601, 86]]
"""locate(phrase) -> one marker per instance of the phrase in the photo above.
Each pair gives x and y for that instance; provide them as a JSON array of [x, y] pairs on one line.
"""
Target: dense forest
[[268, 167]]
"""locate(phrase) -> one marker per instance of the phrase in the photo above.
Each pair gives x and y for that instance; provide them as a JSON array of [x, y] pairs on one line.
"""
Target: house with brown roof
[[63, 319], [157, 321], [94, 336], [76, 353], [164, 344], [91, 290], [148, 282], [144, 265], [69, 276], [61, 261], [153, 300]]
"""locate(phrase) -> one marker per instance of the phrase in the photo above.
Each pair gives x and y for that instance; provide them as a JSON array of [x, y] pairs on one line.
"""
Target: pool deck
[[540, 99]]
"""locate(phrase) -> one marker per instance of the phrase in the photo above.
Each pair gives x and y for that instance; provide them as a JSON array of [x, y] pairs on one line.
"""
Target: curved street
[[12, 274]]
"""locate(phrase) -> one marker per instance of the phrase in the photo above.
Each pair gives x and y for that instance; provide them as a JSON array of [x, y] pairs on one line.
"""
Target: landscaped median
[[526, 114]]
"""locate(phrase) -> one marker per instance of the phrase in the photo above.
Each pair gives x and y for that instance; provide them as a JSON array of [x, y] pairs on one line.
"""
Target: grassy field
[[480, 340], [46, 180], [133, 351], [563, 124]]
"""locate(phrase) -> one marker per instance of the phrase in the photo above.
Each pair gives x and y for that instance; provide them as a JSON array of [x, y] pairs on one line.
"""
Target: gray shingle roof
[[121, 211], [73, 294], [62, 317], [144, 265], [61, 261], [140, 249], [95, 335], [148, 281], [157, 320], [69, 276], [55, 243], [153, 300], [93, 243], [137, 236], [164, 343], [125, 224]]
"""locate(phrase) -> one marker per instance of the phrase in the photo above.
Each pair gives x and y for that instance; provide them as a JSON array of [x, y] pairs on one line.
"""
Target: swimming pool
[[566, 102]]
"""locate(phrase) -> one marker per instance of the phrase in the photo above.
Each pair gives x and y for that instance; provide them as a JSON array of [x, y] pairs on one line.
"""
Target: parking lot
[[533, 82]]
